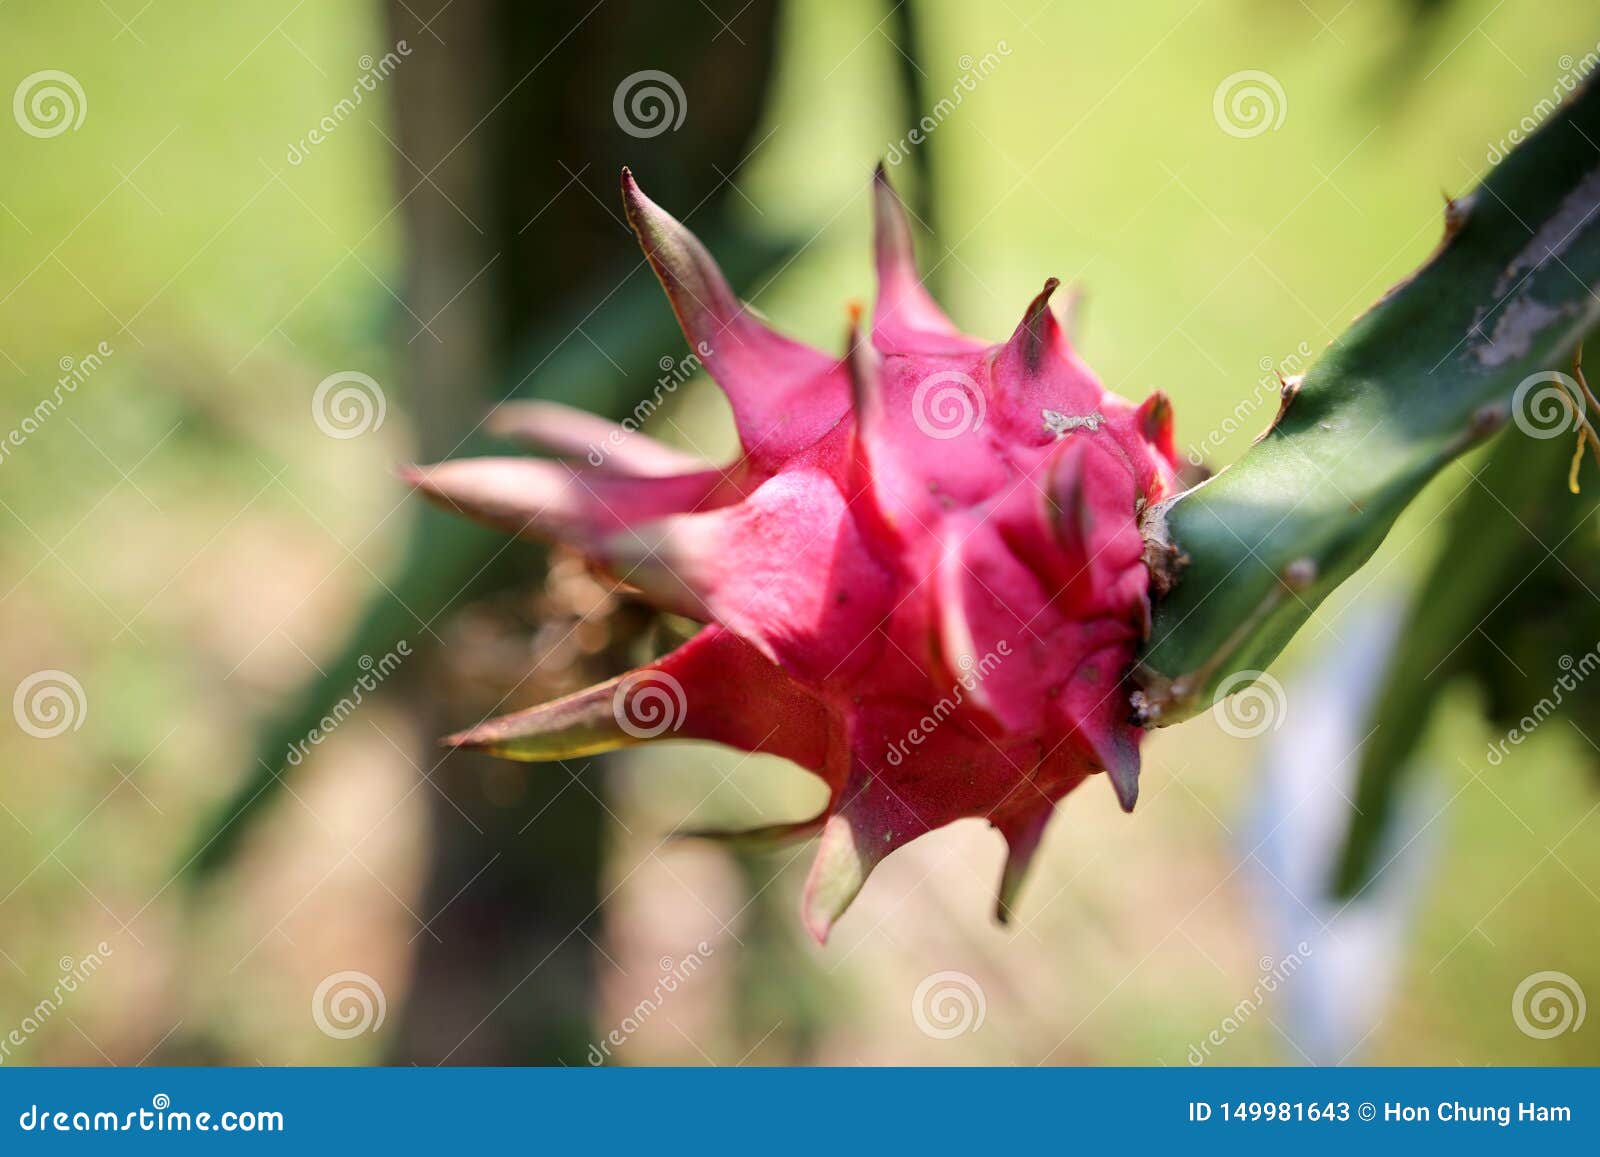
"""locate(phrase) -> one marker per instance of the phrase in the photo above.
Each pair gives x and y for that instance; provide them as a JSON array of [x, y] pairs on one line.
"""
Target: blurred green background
[[184, 540]]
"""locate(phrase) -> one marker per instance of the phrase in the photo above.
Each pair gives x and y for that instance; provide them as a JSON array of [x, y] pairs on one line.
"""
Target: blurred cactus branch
[[905, 33], [1503, 603]]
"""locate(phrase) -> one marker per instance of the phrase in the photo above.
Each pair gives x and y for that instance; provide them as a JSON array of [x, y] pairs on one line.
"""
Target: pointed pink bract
[[923, 576]]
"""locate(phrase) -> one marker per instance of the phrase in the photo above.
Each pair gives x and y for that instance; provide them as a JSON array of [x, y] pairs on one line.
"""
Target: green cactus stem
[[1430, 371]]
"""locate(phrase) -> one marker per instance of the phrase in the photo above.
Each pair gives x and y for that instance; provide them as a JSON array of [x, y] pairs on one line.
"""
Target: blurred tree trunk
[[507, 155], [497, 904]]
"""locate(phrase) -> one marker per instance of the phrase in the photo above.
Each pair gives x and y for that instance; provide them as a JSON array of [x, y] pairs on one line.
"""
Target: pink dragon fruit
[[922, 579]]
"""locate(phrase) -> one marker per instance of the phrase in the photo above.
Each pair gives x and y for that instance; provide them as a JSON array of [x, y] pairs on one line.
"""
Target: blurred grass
[[176, 535]]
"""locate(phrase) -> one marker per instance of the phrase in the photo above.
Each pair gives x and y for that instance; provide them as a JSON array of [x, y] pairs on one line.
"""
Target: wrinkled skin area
[[922, 579]]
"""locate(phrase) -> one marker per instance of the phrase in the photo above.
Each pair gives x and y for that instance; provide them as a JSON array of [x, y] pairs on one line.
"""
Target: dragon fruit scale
[[922, 579]]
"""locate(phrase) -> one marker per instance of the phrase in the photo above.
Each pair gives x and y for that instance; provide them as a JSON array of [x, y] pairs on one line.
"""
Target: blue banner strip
[[817, 1112]]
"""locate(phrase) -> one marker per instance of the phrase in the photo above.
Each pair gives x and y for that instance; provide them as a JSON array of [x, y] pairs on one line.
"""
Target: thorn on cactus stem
[[1482, 424], [1300, 574], [1488, 419], [1288, 390], [1457, 210]]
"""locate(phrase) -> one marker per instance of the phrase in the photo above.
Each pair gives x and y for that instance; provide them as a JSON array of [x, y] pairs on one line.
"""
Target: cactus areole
[[922, 579]]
